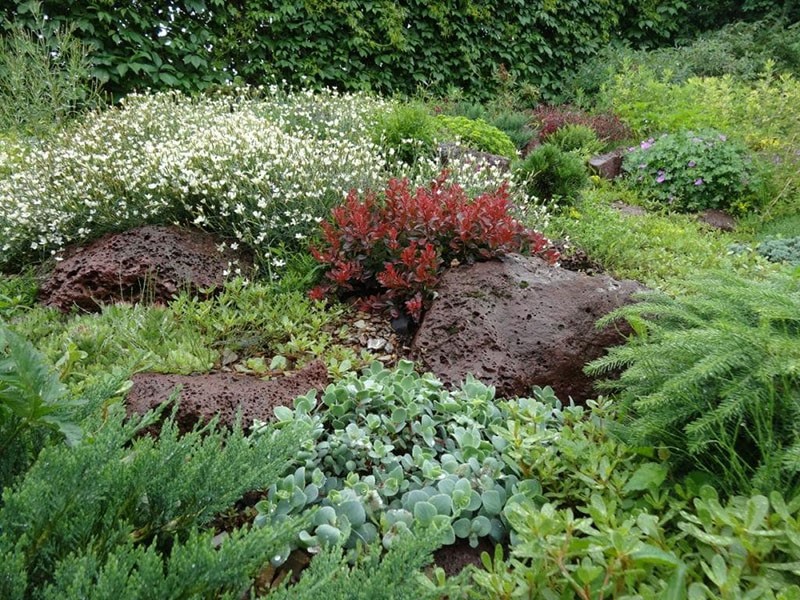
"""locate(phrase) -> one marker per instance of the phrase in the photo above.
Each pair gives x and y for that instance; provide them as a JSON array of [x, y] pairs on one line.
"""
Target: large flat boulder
[[519, 322], [202, 397], [151, 262]]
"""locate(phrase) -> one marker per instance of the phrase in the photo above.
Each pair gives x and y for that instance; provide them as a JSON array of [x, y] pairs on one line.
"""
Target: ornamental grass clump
[[260, 167], [390, 251], [691, 170]]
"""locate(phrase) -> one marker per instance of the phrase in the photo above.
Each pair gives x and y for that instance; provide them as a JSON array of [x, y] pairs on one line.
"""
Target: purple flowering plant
[[691, 170]]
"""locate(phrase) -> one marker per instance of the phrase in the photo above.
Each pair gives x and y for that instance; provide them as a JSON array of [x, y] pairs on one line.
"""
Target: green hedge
[[352, 44]]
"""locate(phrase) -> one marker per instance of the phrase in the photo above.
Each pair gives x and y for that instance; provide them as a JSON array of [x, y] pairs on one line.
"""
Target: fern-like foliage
[[33, 404], [714, 375]]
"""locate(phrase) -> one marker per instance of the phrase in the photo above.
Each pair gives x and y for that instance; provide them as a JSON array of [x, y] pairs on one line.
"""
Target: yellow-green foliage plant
[[478, 134], [658, 250], [762, 114]]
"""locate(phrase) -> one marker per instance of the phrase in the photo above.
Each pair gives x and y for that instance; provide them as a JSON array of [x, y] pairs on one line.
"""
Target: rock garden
[[517, 337]]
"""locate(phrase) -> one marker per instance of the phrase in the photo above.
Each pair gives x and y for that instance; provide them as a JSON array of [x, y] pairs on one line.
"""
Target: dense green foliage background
[[365, 44]]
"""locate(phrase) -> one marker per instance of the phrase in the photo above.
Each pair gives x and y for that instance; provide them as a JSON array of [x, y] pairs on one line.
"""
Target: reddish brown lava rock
[[717, 219], [608, 166], [520, 322], [202, 397], [150, 262]]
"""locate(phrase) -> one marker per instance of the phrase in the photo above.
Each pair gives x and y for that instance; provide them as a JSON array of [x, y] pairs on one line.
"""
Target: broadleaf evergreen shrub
[[391, 250], [712, 376]]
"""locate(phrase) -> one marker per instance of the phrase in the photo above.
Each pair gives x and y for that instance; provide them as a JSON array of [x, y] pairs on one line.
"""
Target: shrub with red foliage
[[390, 252], [608, 126]]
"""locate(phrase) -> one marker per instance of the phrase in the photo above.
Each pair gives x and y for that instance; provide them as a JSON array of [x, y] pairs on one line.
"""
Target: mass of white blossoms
[[260, 166]]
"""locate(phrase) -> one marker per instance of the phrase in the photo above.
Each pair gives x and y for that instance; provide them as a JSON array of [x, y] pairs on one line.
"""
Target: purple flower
[[691, 163], [698, 181], [661, 177], [648, 143]]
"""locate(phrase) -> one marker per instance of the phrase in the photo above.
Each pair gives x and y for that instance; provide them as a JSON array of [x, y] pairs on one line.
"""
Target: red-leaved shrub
[[390, 251], [608, 127]]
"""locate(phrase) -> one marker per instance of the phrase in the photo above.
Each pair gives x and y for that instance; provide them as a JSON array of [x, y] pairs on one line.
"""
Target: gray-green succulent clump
[[392, 449]]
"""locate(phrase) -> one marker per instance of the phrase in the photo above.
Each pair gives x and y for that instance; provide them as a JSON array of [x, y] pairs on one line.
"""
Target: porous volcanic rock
[[519, 322], [204, 396], [608, 166], [151, 262], [717, 219], [627, 209]]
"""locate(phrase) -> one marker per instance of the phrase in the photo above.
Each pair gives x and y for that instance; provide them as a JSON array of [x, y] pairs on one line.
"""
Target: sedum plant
[[600, 519], [390, 451], [700, 548]]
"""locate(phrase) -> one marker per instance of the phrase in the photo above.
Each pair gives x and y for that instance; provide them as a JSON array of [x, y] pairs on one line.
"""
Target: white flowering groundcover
[[261, 167]]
